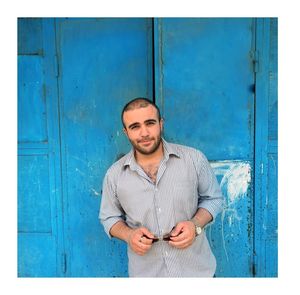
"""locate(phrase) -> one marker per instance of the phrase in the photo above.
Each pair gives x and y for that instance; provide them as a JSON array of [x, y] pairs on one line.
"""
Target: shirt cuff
[[214, 208], [108, 224]]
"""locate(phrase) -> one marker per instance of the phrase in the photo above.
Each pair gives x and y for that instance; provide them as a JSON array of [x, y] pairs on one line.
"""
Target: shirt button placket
[[158, 210], [157, 206]]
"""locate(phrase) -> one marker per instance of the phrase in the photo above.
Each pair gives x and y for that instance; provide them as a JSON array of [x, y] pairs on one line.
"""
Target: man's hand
[[140, 240], [183, 235]]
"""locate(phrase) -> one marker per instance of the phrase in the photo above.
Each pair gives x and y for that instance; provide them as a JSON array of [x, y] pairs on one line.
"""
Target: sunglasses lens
[[155, 239], [166, 237]]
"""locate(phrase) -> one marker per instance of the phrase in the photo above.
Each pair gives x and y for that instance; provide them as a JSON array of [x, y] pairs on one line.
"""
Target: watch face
[[198, 230]]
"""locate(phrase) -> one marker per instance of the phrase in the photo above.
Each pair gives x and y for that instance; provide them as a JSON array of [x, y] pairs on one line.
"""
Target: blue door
[[209, 78], [215, 81], [102, 64], [205, 82]]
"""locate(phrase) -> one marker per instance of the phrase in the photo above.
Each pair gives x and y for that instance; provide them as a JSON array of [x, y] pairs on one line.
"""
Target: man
[[158, 198]]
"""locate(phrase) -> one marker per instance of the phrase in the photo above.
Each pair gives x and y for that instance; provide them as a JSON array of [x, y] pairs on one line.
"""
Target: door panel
[[102, 63], [30, 36], [31, 103], [34, 200], [36, 255], [205, 83]]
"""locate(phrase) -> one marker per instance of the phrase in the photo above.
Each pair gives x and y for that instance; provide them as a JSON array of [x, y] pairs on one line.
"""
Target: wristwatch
[[198, 228]]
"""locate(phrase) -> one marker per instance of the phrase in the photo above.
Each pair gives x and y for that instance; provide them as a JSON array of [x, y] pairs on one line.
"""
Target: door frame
[[262, 147]]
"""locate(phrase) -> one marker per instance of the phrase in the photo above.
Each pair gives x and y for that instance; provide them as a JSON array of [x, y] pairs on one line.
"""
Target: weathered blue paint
[[102, 64], [205, 81], [74, 77], [37, 243], [40, 234]]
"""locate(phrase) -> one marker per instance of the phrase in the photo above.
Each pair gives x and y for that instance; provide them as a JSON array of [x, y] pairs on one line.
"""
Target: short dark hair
[[139, 102]]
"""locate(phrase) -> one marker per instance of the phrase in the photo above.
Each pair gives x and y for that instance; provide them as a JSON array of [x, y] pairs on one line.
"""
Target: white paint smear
[[236, 177], [237, 180]]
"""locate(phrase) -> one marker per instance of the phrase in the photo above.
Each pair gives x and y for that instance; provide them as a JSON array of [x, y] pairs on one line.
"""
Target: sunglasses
[[165, 237]]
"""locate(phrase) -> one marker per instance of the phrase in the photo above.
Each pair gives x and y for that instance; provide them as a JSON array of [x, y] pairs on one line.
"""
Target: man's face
[[143, 129]]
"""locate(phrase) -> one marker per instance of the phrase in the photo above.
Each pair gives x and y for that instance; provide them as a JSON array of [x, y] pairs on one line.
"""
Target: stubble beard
[[144, 151]]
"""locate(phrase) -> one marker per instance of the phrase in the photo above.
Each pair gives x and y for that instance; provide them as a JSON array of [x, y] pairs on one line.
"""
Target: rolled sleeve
[[110, 210], [210, 194]]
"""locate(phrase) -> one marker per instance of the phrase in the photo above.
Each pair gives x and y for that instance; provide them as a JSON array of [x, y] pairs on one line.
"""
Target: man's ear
[[125, 131], [161, 123]]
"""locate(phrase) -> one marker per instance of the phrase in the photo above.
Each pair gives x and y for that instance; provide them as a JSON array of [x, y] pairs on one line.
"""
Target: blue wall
[[215, 81]]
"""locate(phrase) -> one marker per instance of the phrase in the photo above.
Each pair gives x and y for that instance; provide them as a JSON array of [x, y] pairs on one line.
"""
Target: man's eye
[[134, 127], [150, 123]]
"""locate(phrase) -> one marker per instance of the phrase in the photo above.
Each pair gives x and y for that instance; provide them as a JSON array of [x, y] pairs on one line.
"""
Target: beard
[[147, 150]]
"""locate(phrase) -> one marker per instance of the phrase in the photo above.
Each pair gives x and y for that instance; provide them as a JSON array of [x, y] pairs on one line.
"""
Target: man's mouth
[[145, 141]]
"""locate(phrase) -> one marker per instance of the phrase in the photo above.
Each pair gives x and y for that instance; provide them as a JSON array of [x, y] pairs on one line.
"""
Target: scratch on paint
[[236, 178], [88, 164], [95, 192], [77, 170], [79, 159]]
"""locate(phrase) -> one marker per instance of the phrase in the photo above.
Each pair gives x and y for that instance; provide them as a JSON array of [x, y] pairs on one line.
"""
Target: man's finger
[[144, 247], [177, 230], [180, 245], [146, 240], [146, 233], [180, 237]]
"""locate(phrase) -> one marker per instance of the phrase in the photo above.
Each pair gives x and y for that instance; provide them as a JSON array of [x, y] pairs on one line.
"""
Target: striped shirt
[[185, 182]]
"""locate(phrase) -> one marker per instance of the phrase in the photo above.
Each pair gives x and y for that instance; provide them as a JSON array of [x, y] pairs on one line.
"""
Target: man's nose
[[144, 130]]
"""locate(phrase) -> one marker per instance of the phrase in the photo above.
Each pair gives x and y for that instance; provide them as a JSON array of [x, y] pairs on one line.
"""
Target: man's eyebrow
[[137, 123], [133, 124], [150, 120]]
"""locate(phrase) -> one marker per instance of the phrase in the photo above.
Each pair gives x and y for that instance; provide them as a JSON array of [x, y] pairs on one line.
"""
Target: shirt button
[[167, 253], [159, 210]]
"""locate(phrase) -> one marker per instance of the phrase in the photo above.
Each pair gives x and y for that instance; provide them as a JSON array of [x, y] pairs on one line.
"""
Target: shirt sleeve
[[110, 209], [209, 191]]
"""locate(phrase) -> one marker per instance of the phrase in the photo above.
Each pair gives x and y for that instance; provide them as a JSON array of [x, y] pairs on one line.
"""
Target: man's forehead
[[141, 114]]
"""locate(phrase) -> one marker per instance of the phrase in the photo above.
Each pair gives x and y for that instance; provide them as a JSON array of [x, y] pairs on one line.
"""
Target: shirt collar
[[129, 158], [169, 149]]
